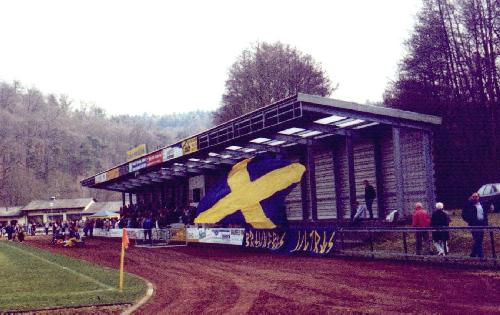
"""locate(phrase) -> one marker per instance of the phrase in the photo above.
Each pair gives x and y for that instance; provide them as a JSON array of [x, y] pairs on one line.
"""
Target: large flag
[[252, 193]]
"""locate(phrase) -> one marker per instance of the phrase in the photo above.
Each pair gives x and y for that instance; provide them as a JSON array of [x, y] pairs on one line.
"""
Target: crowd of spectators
[[139, 215], [13, 231]]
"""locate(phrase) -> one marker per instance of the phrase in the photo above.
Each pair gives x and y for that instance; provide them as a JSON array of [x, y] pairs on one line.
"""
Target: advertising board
[[216, 235], [111, 174], [100, 178], [137, 165], [190, 145], [136, 152], [171, 153], [154, 158]]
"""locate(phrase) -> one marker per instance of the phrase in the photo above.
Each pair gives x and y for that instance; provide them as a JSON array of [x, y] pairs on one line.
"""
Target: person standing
[[91, 227], [9, 230], [370, 195], [55, 227], [20, 232], [147, 225], [420, 219], [475, 215], [440, 219]]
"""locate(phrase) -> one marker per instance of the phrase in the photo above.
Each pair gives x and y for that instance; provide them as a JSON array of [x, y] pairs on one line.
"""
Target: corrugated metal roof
[[109, 205], [10, 211], [317, 117], [58, 204]]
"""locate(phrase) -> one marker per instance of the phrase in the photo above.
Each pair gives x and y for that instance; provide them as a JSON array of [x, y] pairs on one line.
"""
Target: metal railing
[[159, 236], [400, 242]]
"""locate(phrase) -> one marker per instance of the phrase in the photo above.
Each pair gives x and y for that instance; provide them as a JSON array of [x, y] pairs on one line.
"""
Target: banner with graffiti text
[[312, 241]]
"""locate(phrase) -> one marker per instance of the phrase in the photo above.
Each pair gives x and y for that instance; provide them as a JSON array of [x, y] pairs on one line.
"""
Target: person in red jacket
[[421, 219]]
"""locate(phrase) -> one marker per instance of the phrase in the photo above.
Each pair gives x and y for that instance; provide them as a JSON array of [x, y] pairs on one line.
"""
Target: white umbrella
[[104, 214]]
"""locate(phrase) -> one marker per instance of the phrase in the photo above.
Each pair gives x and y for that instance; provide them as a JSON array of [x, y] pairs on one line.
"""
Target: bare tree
[[266, 73]]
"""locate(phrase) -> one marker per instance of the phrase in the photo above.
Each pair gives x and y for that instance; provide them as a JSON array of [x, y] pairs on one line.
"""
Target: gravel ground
[[217, 279]]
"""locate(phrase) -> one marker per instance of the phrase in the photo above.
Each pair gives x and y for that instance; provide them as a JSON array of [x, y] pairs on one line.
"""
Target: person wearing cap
[[420, 219], [440, 219], [475, 215]]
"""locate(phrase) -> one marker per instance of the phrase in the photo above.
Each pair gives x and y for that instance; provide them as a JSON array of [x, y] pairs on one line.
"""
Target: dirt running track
[[232, 280]]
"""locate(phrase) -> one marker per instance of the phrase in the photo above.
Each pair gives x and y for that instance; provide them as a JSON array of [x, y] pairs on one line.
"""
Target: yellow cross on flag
[[253, 192]]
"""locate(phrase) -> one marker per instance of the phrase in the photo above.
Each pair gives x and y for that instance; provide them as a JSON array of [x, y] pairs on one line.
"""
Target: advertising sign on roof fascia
[[111, 174], [123, 169], [190, 145], [136, 152], [154, 158], [171, 153], [137, 164], [89, 181], [100, 178]]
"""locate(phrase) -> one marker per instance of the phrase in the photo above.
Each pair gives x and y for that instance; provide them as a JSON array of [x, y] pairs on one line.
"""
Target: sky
[[159, 57]]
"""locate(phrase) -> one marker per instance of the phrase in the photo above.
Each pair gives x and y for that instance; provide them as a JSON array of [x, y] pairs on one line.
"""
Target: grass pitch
[[31, 279]]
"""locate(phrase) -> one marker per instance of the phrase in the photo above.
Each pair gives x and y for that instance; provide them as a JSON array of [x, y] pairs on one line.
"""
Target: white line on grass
[[107, 287], [8, 296]]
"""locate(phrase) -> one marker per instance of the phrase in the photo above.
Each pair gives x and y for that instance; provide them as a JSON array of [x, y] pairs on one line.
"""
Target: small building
[[11, 214], [42, 211]]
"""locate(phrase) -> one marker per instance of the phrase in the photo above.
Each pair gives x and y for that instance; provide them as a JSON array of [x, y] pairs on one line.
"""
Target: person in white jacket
[[361, 213]]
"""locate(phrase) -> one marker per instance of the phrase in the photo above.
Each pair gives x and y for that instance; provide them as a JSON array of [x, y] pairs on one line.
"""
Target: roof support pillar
[[163, 195], [398, 169], [337, 175], [379, 181], [303, 190], [311, 177], [429, 169], [350, 173]]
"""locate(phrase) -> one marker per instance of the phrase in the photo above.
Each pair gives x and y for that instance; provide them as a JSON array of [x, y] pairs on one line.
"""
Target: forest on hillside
[[47, 145], [452, 69]]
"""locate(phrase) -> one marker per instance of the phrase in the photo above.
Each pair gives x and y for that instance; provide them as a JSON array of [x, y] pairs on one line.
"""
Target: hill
[[47, 145]]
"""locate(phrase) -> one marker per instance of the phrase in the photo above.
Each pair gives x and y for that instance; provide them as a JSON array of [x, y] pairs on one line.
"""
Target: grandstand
[[340, 143]]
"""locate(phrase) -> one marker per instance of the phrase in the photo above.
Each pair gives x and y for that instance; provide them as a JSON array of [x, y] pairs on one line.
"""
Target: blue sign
[[137, 165]]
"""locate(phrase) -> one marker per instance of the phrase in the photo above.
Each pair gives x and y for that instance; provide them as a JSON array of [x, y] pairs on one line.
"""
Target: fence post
[[405, 245], [493, 252], [341, 239], [371, 243]]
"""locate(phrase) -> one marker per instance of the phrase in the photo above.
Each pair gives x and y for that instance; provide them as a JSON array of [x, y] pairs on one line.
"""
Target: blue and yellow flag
[[253, 193]]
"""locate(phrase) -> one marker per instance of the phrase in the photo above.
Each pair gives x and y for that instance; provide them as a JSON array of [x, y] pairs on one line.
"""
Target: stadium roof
[[301, 119], [79, 203], [109, 205], [10, 211]]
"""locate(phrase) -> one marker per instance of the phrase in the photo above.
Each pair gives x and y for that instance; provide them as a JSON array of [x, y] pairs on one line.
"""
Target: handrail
[[370, 246], [413, 229]]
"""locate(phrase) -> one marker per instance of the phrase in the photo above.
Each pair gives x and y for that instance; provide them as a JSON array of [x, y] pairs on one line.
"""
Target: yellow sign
[[114, 173], [190, 145], [178, 234], [136, 152]]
